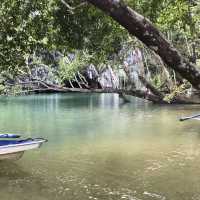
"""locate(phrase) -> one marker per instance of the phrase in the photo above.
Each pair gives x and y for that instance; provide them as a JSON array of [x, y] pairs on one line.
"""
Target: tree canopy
[[28, 26]]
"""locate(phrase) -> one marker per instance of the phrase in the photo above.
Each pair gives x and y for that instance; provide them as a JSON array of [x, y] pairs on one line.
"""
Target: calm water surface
[[101, 149]]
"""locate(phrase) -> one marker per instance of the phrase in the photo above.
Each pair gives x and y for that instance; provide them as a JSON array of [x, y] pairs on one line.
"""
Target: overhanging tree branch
[[145, 31], [149, 86]]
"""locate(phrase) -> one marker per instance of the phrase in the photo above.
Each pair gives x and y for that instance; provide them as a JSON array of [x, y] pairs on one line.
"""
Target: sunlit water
[[99, 148]]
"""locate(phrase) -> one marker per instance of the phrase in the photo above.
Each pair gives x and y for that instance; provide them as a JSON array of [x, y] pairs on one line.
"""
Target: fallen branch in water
[[42, 86]]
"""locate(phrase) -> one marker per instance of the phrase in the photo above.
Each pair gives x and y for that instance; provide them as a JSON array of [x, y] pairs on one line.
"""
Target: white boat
[[14, 149]]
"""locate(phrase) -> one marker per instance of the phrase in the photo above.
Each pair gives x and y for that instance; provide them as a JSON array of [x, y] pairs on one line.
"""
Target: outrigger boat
[[12, 148], [197, 117]]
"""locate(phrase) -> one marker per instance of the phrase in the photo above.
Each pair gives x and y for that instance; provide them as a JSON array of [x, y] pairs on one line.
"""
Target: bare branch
[[70, 8]]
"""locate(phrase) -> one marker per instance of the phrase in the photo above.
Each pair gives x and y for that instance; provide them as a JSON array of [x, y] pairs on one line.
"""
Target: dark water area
[[100, 148]]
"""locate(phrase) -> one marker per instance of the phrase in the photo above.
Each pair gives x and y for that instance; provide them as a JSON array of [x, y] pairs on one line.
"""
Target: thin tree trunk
[[145, 31]]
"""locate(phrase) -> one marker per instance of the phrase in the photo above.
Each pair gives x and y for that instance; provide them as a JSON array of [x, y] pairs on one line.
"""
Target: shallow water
[[100, 148]]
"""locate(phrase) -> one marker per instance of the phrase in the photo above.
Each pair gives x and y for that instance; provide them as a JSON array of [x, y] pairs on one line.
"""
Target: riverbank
[[150, 94]]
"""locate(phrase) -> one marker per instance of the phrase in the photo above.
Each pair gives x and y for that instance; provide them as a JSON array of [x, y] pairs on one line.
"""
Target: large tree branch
[[145, 31], [149, 86]]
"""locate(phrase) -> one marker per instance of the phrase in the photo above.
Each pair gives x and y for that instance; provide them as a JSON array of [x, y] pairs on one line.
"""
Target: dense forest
[[70, 45]]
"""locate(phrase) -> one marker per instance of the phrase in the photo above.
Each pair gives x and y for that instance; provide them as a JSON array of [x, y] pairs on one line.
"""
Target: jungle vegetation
[[30, 27]]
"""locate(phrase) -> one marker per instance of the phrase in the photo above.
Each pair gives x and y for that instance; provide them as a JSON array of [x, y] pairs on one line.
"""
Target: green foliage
[[24, 26], [177, 90], [177, 16], [88, 29], [15, 90], [2, 88], [180, 16], [68, 68], [27, 26], [157, 81]]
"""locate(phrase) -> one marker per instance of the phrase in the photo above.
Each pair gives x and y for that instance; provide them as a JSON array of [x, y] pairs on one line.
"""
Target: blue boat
[[8, 135], [12, 148]]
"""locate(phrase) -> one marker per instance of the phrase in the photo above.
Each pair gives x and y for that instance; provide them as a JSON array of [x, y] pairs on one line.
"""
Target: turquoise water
[[100, 148]]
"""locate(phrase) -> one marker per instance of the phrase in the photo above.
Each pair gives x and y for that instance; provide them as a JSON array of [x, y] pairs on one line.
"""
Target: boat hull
[[15, 151], [11, 156]]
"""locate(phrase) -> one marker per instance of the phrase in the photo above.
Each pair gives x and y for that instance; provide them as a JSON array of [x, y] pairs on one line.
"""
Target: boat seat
[[9, 142]]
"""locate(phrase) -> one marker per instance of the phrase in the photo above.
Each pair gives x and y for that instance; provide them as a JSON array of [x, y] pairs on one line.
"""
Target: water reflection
[[101, 149]]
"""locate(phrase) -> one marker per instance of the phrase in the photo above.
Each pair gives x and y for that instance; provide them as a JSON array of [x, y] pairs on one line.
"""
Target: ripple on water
[[99, 150], [154, 196]]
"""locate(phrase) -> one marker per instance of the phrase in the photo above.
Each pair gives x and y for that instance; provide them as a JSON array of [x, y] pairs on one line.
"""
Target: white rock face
[[109, 79], [135, 66], [92, 73]]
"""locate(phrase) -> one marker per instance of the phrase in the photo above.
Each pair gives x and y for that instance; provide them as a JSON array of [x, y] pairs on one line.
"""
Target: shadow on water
[[19, 183], [12, 170]]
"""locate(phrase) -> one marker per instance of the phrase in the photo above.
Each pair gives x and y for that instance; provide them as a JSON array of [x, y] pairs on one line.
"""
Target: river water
[[100, 148]]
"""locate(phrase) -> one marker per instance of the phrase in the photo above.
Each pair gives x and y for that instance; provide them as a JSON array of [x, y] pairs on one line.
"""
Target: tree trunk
[[145, 31]]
